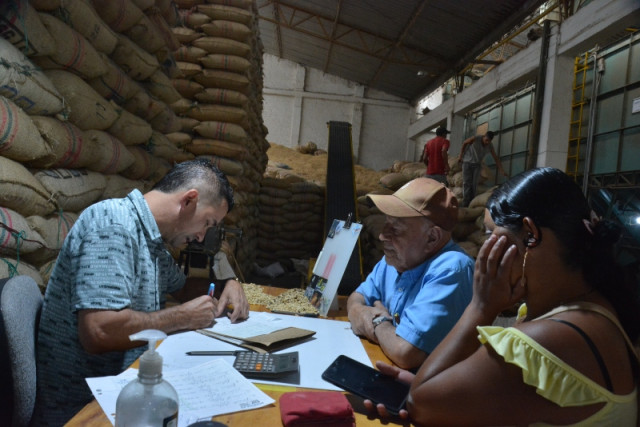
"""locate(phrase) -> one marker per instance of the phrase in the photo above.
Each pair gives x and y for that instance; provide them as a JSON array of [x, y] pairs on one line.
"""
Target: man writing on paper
[[422, 285], [111, 278]]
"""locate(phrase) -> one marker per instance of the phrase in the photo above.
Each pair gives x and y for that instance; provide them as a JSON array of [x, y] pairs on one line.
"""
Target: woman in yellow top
[[569, 359]]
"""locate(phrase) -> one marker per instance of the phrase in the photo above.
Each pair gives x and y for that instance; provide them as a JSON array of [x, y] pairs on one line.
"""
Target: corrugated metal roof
[[403, 47]]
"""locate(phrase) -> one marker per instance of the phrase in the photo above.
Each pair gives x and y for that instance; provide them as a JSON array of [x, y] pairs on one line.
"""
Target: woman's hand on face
[[493, 291]]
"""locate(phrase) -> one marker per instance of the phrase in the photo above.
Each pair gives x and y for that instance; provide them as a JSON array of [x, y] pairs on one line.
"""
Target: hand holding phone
[[367, 383]]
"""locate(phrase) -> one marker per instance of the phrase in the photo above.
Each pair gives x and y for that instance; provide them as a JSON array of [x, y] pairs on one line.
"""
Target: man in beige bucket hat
[[418, 290]]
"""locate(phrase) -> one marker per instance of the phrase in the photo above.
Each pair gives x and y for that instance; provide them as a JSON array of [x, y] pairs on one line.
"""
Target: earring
[[530, 241], [524, 265]]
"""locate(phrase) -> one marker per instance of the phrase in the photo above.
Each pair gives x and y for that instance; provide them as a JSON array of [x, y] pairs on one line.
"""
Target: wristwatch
[[377, 320]]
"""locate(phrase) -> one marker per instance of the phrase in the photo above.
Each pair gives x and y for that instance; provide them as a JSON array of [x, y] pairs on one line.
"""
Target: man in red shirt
[[435, 156]]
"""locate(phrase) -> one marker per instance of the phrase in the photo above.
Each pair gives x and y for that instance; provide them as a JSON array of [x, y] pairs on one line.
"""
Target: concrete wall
[[300, 101]]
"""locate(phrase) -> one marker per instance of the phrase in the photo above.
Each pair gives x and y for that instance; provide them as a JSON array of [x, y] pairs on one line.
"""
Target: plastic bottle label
[[171, 421]]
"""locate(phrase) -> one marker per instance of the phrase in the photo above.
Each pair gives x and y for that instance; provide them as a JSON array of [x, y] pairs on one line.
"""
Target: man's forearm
[[101, 331], [400, 351]]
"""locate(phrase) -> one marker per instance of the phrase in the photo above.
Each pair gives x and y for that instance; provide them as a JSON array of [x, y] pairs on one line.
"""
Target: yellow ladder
[[579, 121]]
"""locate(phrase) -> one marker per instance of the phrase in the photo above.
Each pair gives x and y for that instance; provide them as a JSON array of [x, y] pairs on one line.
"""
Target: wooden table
[[92, 414]]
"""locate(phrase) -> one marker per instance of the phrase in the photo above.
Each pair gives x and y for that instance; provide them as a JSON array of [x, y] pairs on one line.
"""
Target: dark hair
[[489, 134], [441, 131], [553, 200], [212, 185]]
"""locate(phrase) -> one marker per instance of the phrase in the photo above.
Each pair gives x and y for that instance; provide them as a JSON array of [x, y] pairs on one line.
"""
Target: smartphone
[[367, 382]]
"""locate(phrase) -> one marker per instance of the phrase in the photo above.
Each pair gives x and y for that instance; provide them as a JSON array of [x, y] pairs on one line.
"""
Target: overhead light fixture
[[422, 73], [638, 220]]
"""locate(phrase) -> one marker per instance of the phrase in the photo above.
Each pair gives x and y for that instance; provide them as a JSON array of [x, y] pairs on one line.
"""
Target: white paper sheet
[[332, 338], [205, 390]]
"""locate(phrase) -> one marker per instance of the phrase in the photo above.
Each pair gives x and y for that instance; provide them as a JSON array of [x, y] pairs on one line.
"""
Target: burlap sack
[[72, 189], [217, 147], [20, 191], [188, 4], [394, 181], [166, 121], [109, 155], [188, 69], [146, 34], [23, 28], [130, 129], [159, 85], [163, 26], [189, 54], [185, 35], [88, 110], [222, 96], [481, 199], [221, 130], [227, 13], [228, 166], [16, 236], [119, 15], [142, 166], [133, 60], [219, 113], [119, 186], [187, 124], [234, 63], [193, 20], [139, 105], [160, 146], [23, 83], [187, 88], [223, 46], [82, 17], [183, 105], [115, 84], [19, 137], [470, 214], [73, 51], [227, 29], [10, 267], [179, 139], [45, 271], [66, 142], [223, 80], [54, 230]]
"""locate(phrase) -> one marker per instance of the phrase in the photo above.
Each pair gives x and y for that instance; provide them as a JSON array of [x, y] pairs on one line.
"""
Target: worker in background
[[111, 278], [420, 288], [472, 153], [435, 156]]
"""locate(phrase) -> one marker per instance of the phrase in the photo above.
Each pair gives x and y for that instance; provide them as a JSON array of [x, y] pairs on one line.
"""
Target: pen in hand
[[212, 289]]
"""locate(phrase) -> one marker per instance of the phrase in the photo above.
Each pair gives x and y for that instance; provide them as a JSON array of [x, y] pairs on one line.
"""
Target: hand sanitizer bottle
[[148, 400]]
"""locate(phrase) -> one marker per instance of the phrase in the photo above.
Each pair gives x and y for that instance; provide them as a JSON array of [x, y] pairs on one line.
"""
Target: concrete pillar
[[298, 91], [556, 111], [356, 121]]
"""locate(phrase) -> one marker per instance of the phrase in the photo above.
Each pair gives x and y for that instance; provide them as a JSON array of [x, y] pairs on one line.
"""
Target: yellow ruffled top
[[557, 381]]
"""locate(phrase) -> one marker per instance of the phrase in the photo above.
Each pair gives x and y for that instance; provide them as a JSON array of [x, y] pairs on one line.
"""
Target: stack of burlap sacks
[[289, 169], [220, 63], [90, 110]]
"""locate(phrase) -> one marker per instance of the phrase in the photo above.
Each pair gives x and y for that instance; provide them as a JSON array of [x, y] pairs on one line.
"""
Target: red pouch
[[316, 408]]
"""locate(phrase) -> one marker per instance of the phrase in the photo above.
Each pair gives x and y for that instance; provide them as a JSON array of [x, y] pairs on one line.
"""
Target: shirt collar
[[147, 219]]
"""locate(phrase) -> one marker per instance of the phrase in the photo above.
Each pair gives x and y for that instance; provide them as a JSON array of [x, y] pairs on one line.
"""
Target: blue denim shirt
[[426, 301]]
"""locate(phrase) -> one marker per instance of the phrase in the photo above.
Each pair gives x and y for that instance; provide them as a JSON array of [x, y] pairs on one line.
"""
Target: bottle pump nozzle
[[150, 361]]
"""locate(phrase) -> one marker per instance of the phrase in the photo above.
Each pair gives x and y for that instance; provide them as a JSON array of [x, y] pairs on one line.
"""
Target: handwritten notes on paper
[[206, 390]]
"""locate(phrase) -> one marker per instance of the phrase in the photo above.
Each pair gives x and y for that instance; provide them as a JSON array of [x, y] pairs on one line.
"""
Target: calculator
[[265, 365]]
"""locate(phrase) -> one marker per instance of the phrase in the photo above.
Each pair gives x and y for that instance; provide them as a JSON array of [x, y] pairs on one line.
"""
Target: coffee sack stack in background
[[220, 81], [92, 107]]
